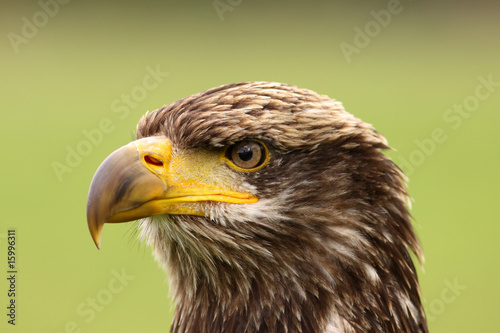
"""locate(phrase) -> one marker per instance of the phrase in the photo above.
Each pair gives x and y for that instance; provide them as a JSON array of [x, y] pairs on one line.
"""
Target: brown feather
[[328, 249]]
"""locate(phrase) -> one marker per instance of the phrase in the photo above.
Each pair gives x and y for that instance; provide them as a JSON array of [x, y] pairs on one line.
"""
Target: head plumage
[[286, 116]]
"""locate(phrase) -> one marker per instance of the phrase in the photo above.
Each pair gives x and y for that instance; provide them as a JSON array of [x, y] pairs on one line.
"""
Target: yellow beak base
[[136, 181]]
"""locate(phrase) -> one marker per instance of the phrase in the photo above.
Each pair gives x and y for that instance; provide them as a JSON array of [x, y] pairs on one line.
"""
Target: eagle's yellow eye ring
[[247, 155]]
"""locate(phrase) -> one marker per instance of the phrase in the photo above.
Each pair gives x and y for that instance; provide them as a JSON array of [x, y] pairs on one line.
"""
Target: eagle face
[[272, 209]]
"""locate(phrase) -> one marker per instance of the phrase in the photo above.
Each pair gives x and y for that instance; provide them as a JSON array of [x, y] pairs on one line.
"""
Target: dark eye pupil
[[245, 153]]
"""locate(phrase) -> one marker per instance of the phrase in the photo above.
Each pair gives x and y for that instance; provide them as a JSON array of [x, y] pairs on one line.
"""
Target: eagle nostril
[[151, 160]]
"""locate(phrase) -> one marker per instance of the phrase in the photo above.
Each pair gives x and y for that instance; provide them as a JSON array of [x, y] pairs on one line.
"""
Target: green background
[[68, 76]]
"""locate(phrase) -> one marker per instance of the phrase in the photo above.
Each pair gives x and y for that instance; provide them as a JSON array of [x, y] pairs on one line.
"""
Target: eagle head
[[272, 210]]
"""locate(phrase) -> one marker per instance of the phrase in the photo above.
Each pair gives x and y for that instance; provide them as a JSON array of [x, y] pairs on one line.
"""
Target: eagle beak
[[138, 180]]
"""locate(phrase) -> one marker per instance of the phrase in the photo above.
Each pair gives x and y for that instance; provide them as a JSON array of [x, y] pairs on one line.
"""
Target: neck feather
[[316, 277]]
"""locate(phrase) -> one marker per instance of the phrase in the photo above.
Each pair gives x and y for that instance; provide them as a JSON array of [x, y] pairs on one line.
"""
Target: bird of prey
[[272, 209]]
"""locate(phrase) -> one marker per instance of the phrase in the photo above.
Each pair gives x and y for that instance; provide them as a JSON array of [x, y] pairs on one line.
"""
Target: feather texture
[[327, 246]]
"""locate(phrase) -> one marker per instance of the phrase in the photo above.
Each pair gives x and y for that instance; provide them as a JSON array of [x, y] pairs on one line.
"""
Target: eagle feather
[[326, 248]]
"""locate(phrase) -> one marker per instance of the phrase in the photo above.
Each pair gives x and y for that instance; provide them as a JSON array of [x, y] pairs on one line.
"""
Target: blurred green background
[[417, 70]]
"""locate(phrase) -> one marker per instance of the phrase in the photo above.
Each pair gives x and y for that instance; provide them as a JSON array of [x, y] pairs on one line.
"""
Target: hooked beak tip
[[95, 231]]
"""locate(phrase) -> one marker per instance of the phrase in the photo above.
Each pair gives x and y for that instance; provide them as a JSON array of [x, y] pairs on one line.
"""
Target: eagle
[[272, 209]]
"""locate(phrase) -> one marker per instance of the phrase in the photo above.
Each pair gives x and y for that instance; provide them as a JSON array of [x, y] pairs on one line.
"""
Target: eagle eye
[[247, 155]]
